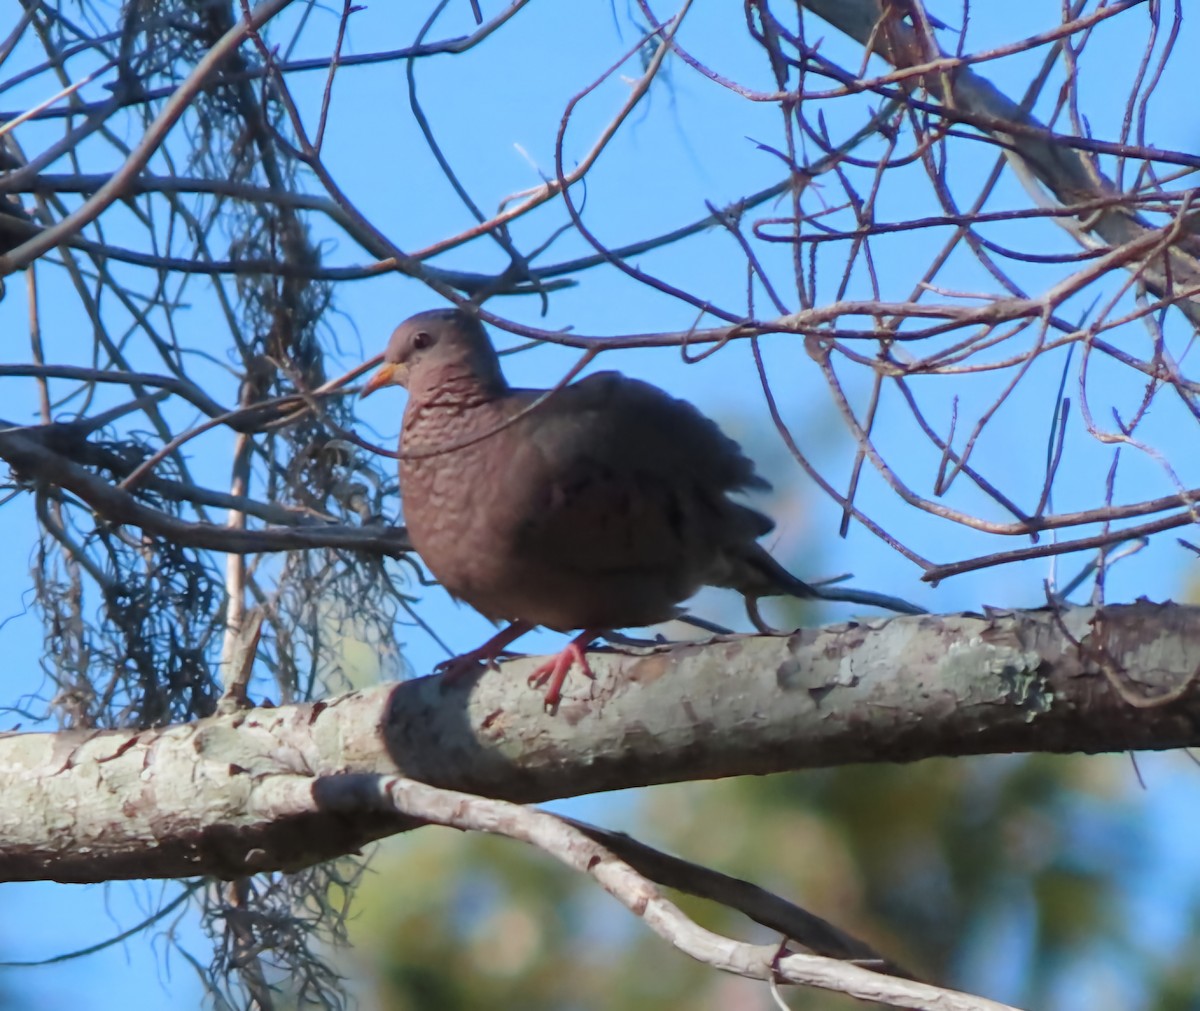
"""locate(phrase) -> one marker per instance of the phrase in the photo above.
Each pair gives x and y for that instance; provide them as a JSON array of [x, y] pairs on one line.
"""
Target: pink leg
[[555, 669], [457, 666]]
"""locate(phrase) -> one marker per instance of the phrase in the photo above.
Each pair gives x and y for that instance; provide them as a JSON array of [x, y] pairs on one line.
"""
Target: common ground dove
[[603, 506]]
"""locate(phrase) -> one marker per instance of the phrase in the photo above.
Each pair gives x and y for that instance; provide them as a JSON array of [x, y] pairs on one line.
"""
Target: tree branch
[[582, 853], [196, 798], [154, 135], [1036, 154], [32, 461]]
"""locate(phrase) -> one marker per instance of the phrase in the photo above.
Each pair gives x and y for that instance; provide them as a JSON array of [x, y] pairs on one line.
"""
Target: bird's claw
[[554, 671], [468, 663], [458, 667]]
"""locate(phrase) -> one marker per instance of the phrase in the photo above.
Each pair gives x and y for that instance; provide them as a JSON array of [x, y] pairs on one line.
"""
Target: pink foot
[[555, 670], [456, 667]]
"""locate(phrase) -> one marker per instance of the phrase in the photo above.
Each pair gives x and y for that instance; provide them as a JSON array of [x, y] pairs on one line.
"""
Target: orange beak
[[389, 374]]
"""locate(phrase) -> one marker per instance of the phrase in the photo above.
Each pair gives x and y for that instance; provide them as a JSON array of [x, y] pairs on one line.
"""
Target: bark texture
[[266, 788]]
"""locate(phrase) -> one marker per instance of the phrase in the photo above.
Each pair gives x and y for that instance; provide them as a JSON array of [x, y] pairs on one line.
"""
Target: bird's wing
[[616, 475]]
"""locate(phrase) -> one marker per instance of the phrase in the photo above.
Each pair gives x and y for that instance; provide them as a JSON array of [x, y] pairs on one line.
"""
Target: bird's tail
[[757, 574]]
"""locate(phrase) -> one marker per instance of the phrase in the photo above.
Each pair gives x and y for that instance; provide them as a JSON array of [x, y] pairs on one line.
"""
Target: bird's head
[[436, 347]]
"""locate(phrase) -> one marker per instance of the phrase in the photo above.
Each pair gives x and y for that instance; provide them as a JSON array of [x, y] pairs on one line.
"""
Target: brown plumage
[[603, 507]]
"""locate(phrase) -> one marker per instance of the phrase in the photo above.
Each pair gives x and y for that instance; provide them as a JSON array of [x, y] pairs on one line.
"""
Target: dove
[[599, 506]]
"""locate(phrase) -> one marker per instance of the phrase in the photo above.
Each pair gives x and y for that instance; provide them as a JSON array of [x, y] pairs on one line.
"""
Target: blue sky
[[496, 114]]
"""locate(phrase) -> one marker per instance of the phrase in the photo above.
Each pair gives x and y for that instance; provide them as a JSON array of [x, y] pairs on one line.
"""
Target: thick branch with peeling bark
[[238, 794]]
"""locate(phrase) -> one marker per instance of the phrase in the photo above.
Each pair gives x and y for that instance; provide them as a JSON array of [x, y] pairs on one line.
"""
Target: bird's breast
[[459, 506]]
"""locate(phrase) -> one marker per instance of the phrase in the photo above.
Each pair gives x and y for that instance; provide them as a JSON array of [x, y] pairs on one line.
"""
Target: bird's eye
[[422, 340]]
